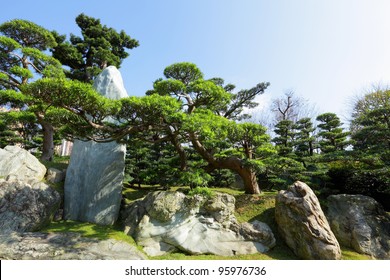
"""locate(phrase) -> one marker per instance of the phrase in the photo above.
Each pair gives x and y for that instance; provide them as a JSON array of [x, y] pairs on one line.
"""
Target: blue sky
[[324, 50]]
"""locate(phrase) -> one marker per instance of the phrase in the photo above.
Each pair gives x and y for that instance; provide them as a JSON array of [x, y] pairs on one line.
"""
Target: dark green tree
[[210, 109], [332, 135], [99, 46], [284, 140], [23, 59], [304, 138], [370, 125]]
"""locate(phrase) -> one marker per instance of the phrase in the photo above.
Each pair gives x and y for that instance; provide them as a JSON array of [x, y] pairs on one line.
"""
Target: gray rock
[[55, 176], [303, 225], [17, 162], [359, 222], [25, 207], [93, 182], [170, 221], [64, 246], [95, 174]]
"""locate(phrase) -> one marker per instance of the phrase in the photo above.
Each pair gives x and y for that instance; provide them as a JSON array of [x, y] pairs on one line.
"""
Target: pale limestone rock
[[169, 221], [19, 163], [303, 224]]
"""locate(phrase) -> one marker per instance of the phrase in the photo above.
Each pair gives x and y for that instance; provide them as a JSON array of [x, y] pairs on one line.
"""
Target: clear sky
[[324, 50]]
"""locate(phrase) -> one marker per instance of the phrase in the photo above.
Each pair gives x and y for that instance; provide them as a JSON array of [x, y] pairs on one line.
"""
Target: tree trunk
[[48, 141], [249, 178], [235, 164]]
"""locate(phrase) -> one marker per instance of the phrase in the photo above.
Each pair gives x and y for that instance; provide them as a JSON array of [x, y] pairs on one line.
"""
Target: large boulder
[[19, 163], [95, 174], [359, 222], [26, 207], [303, 225], [171, 221], [64, 246]]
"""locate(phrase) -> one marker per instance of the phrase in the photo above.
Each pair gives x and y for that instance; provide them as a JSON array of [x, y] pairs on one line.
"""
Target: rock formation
[[19, 163], [359, 222], [303, 225], [55, 176], [64, 246], [26, 207], [96, 170], [170, 221]]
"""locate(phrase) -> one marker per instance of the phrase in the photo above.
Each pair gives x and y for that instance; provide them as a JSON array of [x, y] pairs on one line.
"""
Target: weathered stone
[[93, 182], [303, 225], [25, 207], [55, 176], [169, 221], [95, 174], [64, 246], [359, 222], [19, 163]]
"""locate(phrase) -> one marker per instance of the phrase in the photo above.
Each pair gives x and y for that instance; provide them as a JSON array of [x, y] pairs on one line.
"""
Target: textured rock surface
[[303, 225], [25, 207], [64, 246], [96, 170], [359, 222], [94, 181], [55, 176], [19, 163], [169, 221]]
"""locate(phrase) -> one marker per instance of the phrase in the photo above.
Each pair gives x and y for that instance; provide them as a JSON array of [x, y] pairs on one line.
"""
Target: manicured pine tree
[[332, 135], [22, 59], [284, 140], [99, 46]]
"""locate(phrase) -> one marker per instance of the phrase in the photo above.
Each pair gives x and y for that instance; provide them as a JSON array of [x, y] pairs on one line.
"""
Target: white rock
[[19, 163]]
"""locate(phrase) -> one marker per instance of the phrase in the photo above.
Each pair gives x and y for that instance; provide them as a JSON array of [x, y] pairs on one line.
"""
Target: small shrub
[[203, 191]]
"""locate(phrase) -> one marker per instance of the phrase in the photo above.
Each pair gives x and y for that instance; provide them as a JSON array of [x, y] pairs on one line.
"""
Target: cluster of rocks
[[355, 221], [171, 221], [27, 205]]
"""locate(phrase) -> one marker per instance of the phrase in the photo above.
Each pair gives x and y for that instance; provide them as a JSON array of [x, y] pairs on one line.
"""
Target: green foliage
[[90, 231], [285, 137], [22, 59], [371, 124], [195, 178], [27, 33], [331, 133], [98, 47], [202, 191]]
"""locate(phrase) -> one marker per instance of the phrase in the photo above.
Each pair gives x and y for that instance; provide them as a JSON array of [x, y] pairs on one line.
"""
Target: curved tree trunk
[[232, 163]]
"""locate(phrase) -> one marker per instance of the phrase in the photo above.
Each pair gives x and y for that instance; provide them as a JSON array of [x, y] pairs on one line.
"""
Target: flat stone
[[64, 246]]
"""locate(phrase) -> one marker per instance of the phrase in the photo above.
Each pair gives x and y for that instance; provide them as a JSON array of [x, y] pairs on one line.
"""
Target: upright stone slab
[[303, 225], [95, 174]]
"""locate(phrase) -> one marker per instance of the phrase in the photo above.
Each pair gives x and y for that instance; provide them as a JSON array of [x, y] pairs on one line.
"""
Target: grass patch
[[58, 162], [350, 254], [90, 231]]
